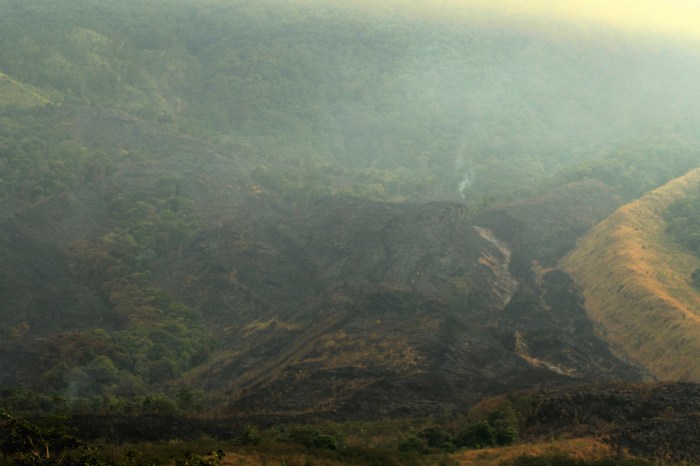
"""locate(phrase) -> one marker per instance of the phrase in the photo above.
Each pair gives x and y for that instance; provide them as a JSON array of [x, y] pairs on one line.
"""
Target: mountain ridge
[[636, 283]]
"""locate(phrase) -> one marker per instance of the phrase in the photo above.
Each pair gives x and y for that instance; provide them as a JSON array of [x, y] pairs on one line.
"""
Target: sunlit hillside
[[637, 284], [18, 94]]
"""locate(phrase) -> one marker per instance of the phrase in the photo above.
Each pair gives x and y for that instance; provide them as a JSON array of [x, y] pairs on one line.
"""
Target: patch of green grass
[[21, 95]]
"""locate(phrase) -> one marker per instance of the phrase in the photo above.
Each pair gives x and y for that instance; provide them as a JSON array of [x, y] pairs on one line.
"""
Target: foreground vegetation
[[49, 442], [598, 425]]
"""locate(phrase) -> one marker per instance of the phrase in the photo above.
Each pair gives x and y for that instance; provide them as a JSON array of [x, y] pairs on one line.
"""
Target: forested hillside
[[370, 102]]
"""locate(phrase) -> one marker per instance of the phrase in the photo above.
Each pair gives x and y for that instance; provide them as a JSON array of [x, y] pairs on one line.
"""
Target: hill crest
[[636, 283]]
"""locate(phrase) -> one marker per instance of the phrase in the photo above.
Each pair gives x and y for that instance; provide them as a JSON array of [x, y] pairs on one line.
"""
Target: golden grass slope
[[587, 449], [636, 283]]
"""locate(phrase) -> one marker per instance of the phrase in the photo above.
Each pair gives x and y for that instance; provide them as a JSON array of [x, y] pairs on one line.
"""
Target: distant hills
[[374, 102]]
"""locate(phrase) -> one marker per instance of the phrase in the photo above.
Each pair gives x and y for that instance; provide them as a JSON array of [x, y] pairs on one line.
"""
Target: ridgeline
[[637, 284]]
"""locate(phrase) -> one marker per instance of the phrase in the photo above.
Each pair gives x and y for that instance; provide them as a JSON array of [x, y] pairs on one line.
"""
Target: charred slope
[[175, 268], [658, 421], [362, 308]]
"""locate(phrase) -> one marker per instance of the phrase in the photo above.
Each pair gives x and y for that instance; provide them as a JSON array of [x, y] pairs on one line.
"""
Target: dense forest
[[372, 103]]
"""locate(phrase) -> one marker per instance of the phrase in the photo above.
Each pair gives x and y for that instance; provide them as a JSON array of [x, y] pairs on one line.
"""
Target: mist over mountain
[[398, 106], [276, 208]]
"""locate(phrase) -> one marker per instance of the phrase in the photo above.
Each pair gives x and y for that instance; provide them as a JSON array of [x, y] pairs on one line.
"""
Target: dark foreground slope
[[656, 422]]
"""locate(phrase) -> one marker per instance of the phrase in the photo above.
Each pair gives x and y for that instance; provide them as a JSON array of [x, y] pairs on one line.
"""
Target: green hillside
[[21, 95], [373, 102]]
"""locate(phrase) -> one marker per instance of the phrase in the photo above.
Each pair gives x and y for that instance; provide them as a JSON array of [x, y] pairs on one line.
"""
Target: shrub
[[303, 436], [326, 441], [190, 459], [479, 435], [449, 447], [435, 437], [250, 436], [311, 437], [506, 435], [412, 443]]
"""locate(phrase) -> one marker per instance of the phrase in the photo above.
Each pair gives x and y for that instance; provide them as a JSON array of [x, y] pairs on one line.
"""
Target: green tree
[[478, 435], [29, 444], [411, 443]]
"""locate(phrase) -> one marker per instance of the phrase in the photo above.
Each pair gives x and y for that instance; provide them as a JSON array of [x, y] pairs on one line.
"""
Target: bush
[[190, 459], [250, 436], [435, 437], [303, 436], [449, 447], [326, 441], [479, 435], [413, 444], [506, 435], [311, 437]]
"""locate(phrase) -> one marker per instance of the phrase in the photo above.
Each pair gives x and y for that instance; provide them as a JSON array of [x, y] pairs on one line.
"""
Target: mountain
[[637, 284], [279, 208], [167, 273], [363, 307], [374, 102]]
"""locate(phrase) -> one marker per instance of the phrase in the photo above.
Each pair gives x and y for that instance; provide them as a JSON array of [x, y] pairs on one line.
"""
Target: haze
[[675, 17], [668, 17]]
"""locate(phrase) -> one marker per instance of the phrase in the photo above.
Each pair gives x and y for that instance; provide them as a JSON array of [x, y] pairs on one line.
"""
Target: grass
[[636, 284], [580, 448], [21, 95]]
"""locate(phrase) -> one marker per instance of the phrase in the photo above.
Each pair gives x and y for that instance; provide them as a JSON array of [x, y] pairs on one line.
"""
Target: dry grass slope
[[636, 283], [579, 448]]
